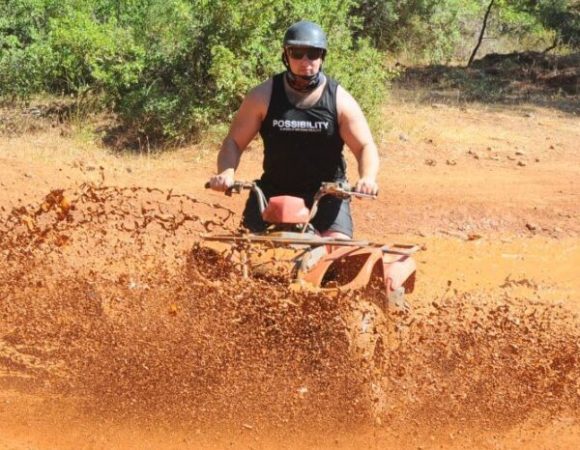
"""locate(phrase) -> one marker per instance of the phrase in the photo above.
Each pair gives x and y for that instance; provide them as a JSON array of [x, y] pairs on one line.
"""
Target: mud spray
[[106, 299]]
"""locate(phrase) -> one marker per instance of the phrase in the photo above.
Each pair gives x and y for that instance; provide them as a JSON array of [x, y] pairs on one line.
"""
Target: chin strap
[[302, 83]]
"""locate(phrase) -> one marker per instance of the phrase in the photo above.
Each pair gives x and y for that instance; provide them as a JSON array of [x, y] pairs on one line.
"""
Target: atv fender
[[360, 273]]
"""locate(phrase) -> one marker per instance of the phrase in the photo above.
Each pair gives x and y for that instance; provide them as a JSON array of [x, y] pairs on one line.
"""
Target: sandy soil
[[491, 193]]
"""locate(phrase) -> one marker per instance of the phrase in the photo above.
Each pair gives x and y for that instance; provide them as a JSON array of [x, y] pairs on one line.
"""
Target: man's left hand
[[367, 186]]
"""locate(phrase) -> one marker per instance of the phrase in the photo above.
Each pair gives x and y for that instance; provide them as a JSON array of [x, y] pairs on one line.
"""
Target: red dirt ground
[[492, 194]]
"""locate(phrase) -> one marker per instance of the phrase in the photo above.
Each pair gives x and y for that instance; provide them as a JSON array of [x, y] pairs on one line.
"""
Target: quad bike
[[291, 248]]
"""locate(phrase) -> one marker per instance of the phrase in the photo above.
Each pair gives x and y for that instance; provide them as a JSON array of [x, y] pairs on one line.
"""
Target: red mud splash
[[473, 359], [102, 298]]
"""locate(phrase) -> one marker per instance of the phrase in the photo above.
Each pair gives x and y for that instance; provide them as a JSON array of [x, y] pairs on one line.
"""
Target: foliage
[[560, 16], [538, 22], [59, 47], [365, 75], [428, 28], [434, 30], [169, 68]]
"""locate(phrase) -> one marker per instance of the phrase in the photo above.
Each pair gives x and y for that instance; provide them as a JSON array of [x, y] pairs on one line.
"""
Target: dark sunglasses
[[311, 53]]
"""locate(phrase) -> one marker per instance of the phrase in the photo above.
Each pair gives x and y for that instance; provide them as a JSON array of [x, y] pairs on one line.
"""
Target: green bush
[[442, 30], [171, 68], [91, 55], [429, 29]]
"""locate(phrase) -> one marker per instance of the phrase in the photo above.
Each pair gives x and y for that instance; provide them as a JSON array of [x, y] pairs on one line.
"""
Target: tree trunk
[[472, 57]]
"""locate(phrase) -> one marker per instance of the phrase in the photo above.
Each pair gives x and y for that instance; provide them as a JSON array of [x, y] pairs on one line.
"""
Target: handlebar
[[236, 187], [339, 189]]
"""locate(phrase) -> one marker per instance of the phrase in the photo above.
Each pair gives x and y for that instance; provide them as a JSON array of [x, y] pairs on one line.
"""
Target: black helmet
[[305, 34]]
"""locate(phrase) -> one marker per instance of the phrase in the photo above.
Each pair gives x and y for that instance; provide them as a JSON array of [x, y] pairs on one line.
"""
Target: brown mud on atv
[[290, 250]]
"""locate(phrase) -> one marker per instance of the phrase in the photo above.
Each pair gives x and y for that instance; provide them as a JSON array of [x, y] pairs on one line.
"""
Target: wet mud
[[107, 298]]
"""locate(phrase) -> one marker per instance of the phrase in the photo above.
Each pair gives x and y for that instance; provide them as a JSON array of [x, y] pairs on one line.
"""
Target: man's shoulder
[[343, 95], [262, 92], [346, 104]]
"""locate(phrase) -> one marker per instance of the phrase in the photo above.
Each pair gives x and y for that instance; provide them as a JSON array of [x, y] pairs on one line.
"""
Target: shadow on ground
[[515, 78]]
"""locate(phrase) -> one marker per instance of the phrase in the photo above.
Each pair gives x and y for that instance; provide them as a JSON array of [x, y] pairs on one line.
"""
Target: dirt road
[[491, 193]]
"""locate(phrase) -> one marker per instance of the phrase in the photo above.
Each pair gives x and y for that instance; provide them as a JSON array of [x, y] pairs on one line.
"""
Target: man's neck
[[304, 99]]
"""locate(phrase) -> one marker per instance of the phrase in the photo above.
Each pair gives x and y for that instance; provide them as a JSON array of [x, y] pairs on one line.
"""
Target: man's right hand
[[222, 181]]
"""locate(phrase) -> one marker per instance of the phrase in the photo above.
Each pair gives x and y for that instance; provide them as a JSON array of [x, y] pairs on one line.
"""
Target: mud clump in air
[[106, 296], [487, 360]]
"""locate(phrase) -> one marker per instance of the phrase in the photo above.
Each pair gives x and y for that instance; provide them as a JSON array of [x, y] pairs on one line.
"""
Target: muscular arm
[[243, 129], [356, 134]]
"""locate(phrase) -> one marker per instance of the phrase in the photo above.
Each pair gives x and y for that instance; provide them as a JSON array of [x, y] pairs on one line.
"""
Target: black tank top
[[302, 147]]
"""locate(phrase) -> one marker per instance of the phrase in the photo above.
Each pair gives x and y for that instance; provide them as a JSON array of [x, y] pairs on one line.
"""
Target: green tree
[[169, 68], [430, 29], [560, 16], [528, 17]]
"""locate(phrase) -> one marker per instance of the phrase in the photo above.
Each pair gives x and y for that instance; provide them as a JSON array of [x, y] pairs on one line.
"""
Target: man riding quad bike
[[305, 118]]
